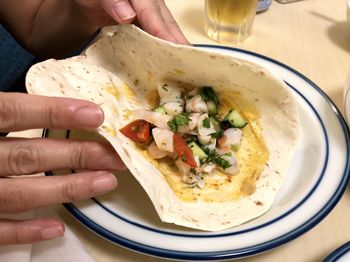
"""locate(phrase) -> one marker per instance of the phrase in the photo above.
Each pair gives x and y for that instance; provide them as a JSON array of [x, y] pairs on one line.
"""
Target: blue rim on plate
[[338, 253], [242, 252]]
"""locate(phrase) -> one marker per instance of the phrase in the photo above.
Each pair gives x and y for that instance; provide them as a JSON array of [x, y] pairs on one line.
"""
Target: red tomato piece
[[138, 131], [183, 151]]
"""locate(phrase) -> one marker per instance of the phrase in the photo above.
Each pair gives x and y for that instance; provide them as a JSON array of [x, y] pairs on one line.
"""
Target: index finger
[[23, 111], [172, 25], [150, 18]]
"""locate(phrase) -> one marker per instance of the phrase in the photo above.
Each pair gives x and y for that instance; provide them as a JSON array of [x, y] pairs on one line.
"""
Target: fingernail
[[104, 183], [52, 232], [123, 10], [89, 116]]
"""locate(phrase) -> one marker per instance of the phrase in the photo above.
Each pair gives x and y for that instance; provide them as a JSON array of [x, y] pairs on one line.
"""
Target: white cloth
[[67, 248]]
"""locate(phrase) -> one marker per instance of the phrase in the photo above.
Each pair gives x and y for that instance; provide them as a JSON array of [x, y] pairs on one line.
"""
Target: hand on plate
[[151, 15], [20, 156]]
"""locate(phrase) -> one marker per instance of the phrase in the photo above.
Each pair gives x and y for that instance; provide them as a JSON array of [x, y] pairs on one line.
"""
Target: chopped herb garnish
[[234, 148], [172, 125], [178, 120], [214, 157], [190, 138], [184, 158], [223, 163], [192, 170], [176, 157], [206, 122]]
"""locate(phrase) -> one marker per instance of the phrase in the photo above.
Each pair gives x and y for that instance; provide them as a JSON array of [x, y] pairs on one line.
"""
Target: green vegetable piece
[[159, 109], [223, 163], [178, 120], [235, 119], [206, 122], [208, 94], [172, 125], [212, 108], [234, 148], [211, 99], [181, 120], [217, 126], [197, 151]]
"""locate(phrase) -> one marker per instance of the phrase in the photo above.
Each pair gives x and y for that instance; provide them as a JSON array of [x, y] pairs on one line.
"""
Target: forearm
[[46, 27]]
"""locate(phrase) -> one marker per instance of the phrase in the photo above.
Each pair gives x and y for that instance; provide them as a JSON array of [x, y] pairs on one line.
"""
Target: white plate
[[314, 184]]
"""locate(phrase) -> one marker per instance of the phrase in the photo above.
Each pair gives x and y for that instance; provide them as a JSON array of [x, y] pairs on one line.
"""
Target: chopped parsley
[[193, 170], [178, 120], [234, 148], [214, 157], [176, 157], [206, 122], [191, 138]]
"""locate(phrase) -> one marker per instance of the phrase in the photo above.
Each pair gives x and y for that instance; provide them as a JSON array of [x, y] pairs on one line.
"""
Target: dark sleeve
[[14, 62]]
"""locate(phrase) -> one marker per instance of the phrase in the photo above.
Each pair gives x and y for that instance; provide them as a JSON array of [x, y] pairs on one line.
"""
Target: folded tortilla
[[121, 71]]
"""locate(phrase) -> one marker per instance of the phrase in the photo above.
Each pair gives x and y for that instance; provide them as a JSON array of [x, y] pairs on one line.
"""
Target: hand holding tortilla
[[19, 156], [206, 113], [73, 23]]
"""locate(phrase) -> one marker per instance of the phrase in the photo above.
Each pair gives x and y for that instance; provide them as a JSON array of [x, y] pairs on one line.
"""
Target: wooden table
[[311, 36]]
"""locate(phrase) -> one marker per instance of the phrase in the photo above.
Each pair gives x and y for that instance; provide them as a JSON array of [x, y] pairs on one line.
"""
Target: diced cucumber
[[197, 151], [211, 99], [235, 119], [159, 109], [217, 126], [212, 108], [208, 94]]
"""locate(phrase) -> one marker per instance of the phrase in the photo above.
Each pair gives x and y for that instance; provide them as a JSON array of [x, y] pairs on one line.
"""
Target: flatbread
[[121, 71]]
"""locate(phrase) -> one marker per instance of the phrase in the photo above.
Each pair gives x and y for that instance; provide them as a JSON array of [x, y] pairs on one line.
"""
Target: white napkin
[[67, 249]]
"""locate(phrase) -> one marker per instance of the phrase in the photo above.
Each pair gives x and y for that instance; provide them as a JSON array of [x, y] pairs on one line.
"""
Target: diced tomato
[[183, 151], [138, 131]]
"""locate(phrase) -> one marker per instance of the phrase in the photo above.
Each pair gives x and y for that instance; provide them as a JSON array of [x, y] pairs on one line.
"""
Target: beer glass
[[229, 21]]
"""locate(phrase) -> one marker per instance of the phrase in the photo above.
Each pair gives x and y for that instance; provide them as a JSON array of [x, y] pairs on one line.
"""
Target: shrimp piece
[[163, 139], [189, 129], [231, 136], [204, 130], [169, 93], [173, 108], [208, 168], [196, 104], [211, 145], [158, 119], [204, 140], [229, 156], [184, 168], [154, 152]]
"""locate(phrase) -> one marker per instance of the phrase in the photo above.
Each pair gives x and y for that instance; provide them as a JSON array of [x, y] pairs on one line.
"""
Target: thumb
[[120, 10]]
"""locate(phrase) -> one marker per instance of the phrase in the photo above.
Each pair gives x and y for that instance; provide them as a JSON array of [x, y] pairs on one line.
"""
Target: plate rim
[[338, 252], [246, 251]]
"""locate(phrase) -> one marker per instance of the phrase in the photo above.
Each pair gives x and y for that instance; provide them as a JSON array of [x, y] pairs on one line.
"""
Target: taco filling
[[196, 136]]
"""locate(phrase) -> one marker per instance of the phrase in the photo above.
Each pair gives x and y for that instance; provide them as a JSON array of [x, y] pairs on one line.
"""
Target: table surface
[[311, 36]]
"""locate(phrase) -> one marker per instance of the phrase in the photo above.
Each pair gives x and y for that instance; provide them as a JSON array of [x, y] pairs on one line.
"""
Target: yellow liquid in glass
[[229, 20]]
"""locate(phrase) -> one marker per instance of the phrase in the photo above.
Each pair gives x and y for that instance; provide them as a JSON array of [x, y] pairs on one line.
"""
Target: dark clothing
[[14, 62]]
